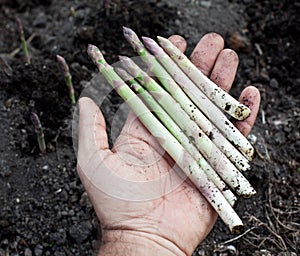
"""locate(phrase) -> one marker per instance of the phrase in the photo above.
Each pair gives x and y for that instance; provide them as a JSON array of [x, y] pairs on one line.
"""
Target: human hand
[[174, 222]]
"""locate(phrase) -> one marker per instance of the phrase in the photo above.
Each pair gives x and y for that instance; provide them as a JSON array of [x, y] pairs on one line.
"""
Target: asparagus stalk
[[199, 98], [23, 41], [178, 134], [220, 97], [208, 149], [68, 78], [39, 132], [229, 130], [169, 143], [189, 88]]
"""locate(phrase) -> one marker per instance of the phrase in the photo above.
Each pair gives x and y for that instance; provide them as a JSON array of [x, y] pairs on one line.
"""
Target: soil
[[44, 209]]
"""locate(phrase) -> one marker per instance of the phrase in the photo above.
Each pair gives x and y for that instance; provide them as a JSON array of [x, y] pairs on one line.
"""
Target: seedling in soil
[[23, 41], [68, 78], [39, 132]]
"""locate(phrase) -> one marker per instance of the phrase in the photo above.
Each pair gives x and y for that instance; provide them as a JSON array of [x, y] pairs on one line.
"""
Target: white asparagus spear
[[170, 144], [178, 134], [203, 103], [220, 97], [188, 86], [208, 108], [223, 166]]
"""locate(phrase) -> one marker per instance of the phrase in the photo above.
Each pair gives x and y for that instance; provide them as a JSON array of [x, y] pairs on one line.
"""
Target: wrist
[[129, 242]]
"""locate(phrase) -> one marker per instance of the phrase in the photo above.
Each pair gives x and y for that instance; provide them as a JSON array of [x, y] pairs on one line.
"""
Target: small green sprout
[[68, 78], [23, 41]]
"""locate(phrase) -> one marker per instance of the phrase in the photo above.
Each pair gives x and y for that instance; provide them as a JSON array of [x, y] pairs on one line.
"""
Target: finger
[[225, 68], [250, 97], [179, 42], [91, 129], [206, 52]]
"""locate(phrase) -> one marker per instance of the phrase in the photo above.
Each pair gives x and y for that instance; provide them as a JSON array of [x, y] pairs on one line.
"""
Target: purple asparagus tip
[[39, 131], [90, 49], [63, 65], [60, 59], [19, 22], [152, 45], [36, 121], [94, 53], [127, 32], [133, 39], [130, 35]]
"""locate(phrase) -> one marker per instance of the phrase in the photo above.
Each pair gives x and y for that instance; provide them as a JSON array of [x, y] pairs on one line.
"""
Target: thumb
[[92, 136]]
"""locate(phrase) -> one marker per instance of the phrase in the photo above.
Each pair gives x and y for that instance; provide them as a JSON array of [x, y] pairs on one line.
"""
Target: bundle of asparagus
[[183, 109]]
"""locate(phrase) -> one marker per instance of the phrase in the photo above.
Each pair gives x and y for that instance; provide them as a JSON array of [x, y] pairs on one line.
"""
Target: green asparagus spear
[[68, 78], [39, 132], [23, 40]]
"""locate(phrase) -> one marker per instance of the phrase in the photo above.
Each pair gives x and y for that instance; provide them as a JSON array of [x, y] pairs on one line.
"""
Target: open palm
[[134, 187]]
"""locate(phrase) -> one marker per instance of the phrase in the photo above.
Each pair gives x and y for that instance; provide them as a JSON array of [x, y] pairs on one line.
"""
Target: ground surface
[[43, 207]]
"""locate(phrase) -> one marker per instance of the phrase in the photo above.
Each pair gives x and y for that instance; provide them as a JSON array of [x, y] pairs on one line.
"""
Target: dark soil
[[43, 207]]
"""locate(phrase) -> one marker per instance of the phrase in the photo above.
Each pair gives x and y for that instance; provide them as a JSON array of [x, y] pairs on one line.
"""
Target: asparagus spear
[[169, 143], [193, 72], [66, 71], [189, 88], [208, 149], [23, 40], [39, 132], [178, 134], [199, 98], [220, 97]]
